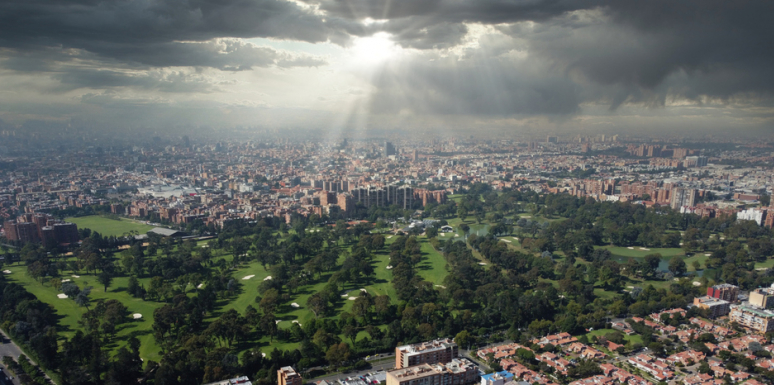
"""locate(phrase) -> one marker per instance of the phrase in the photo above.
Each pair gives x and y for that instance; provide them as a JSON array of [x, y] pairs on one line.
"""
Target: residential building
[[758, 320], [288, 376], [724, 291], [715, 307], [496, 378], [455, 372], [762, 297], [431, 352]]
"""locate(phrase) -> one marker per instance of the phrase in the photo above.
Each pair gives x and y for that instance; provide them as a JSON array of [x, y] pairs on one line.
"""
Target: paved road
[[375, 367], [8, 348]]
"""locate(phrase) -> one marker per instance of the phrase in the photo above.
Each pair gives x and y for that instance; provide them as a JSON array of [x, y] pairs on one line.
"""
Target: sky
[[689, 67]]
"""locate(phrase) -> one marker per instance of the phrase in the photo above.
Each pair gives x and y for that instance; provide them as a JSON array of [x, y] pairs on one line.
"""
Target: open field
[[634, 338], [641, 252], [70, 313], [107, 226]]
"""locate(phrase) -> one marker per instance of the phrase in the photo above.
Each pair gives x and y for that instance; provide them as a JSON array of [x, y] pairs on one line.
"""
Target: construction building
[[431, 352]]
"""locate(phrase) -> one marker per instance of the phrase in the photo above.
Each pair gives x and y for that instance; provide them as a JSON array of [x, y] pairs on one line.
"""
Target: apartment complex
[[762, 297], [715, 307], [725, 291], [288, 376], [758, 320], [458, 371], [432, 352], [41, 228]]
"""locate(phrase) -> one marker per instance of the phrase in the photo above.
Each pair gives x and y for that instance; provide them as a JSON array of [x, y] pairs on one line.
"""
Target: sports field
[[109, 227]]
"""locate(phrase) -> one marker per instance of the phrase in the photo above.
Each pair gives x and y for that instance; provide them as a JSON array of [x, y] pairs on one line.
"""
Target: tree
[[677, 266], [338, 354], [464, 339], [105, 278], [350, 331], [317, 304]]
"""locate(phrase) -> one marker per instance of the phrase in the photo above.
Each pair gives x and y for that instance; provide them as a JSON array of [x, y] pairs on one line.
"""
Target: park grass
[[70, 313], [109, 227], [769, 263], [432, 268], [433, 265], [634, 338], [700, 257], [637, 252]]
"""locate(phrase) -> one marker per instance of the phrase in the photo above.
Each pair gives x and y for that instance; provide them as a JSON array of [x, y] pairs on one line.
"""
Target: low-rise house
[[653, 366], [688, 357]]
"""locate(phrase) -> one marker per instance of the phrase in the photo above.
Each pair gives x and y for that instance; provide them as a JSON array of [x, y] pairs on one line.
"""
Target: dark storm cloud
[[572, 51], [159, 33], [452, 11]]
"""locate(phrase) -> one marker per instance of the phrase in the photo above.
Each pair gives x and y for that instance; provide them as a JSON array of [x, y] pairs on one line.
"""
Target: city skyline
[[411, 67]]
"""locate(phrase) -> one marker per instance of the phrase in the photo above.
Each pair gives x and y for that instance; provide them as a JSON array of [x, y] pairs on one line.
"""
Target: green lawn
[[768, 263], [634, 338], [107, 226], [433, 265], [699, 257], [432, 268], [640, 252], [70, 313]]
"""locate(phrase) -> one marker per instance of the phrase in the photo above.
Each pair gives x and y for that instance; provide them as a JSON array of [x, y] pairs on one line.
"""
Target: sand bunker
[[364, 290], [6, 271], [296, 322], [696, 283], [249, 276], [267, 278], [505, 240], [199, 286], [630, 248], [277, 321], [388, 267], [62, 296], [76, 276], [352, 298], [482, 263], [295, 305], [136, 315], [644, 248], [441, 286], [66, 280], [707, 254], [389, 237]]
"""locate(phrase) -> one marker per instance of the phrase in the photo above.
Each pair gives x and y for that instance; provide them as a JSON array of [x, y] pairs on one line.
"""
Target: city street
[[8, 348]]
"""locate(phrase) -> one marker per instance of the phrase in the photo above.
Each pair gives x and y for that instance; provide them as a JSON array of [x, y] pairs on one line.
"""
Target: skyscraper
[[388, 149]]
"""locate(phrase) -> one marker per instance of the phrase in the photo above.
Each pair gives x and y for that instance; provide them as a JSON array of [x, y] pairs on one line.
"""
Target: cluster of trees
[[27, 373]]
